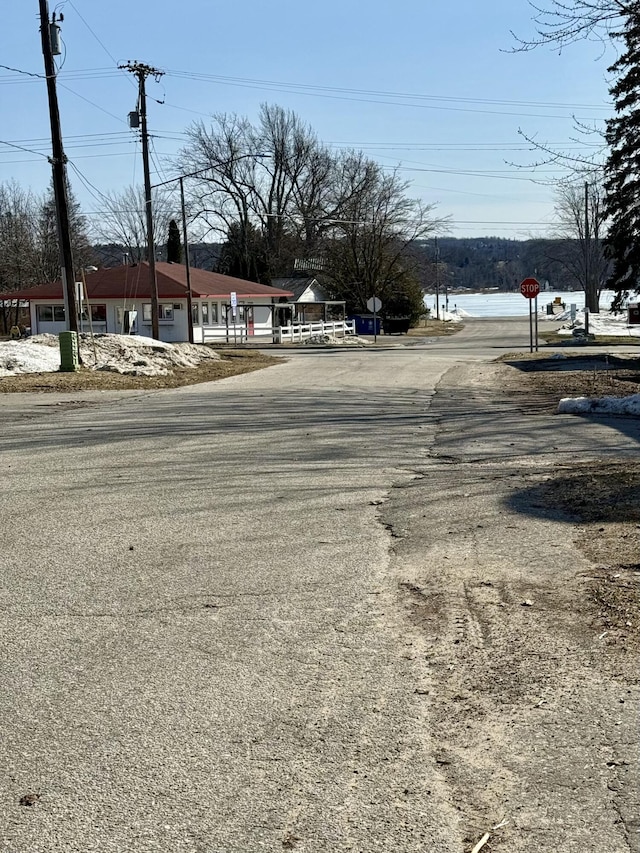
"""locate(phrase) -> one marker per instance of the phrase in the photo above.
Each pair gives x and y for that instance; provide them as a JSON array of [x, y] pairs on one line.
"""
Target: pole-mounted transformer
[[54, 37]]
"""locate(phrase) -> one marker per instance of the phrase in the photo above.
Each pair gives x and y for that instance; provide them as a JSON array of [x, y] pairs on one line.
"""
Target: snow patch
[[132, 355], [602, 405], [333, 341]]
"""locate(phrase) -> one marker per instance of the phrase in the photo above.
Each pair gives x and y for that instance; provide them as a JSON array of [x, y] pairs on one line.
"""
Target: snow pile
[[136, 355], [604, 323], [603, 405], [27, 356], [333, 341], [133, 355], [457, 315]]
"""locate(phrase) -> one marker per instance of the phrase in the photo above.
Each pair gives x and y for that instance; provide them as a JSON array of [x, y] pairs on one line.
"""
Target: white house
[[308, 302], [118, 300]]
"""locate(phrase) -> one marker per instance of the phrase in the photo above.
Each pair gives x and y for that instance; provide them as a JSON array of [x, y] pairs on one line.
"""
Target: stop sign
[[530, 288]]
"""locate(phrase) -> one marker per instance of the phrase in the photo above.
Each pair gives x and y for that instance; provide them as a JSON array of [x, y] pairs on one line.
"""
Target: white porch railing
[[219, 334], [303, 331], [279, 334]]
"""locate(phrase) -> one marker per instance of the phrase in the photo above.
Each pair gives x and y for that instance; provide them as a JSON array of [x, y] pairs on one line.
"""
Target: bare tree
[[18, 250], [274, 176], [368, 250], [581, 226], [559, 23], [124, 221], [562, 22], [276, 193]]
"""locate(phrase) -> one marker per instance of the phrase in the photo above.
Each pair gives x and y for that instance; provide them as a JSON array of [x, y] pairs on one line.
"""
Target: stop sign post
[[530, 288], [374, 305]]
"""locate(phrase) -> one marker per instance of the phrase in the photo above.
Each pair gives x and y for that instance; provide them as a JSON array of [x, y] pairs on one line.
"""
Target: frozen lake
[[510, 304]]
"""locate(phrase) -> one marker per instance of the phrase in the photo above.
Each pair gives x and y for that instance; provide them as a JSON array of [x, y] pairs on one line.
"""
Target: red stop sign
[[530, 288]]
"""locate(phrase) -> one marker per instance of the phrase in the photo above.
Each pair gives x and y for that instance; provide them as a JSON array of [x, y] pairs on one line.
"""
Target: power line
[[101, 43], [22, 148], [217, 78], [338, 94], [92, 188], [26, 73], [93, 103]]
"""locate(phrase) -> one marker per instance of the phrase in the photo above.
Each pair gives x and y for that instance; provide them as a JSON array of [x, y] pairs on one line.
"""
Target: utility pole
[[587, 249], [187, 264], [435, 241], [58, 162], [143, 71]]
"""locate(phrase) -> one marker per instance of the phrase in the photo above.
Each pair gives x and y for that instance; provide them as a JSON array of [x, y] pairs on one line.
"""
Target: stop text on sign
[[530, 288]]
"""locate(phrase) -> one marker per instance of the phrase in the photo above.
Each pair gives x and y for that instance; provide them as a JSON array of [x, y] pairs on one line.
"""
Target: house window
[[165, 311], [50, 313], [195, 314], [227, 313], [98, 313], [209, 313]]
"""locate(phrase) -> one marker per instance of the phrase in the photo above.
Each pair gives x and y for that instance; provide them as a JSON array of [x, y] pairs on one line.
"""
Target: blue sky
[[427, 85]]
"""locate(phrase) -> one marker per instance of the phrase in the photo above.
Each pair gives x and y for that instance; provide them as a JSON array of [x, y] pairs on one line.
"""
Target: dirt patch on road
[[603, 498], [605, 501]]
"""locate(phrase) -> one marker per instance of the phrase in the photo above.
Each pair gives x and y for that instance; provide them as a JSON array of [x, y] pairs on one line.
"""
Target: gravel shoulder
[[516, 557]]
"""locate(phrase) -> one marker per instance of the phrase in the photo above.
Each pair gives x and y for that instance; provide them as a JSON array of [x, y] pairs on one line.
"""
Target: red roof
[[131, 282]]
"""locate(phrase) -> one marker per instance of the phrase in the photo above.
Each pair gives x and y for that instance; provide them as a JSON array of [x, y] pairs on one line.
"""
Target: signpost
[[374, 305], [530, 288], [233, 298]]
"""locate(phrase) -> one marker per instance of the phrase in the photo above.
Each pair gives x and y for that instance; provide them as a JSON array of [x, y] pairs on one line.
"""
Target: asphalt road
[[208, 633]]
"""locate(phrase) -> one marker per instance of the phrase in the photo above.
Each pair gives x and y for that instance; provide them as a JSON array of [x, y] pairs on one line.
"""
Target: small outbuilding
[[309, 302], [118, 300]]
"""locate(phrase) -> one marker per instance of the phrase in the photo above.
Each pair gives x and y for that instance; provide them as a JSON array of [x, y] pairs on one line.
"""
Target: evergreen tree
[[47, 237], [244, 254], [622, 169], [174, 246]]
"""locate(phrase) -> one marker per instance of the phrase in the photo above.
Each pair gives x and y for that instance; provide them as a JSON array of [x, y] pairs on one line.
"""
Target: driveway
[[285, 611]]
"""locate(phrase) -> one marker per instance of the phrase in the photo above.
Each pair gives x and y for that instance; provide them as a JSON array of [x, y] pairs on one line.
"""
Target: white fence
[[279, 334], [303, 331]]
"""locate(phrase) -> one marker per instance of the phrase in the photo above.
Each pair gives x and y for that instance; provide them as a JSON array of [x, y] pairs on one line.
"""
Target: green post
[[69, 358]]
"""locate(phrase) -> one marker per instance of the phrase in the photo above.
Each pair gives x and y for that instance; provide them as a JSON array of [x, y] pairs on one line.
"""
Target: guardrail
[[303, 331]]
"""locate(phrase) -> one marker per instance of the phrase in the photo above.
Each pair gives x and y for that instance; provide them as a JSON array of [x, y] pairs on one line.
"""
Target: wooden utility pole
[[143, 71], [58, 162], [435, 241], [187, 264]]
